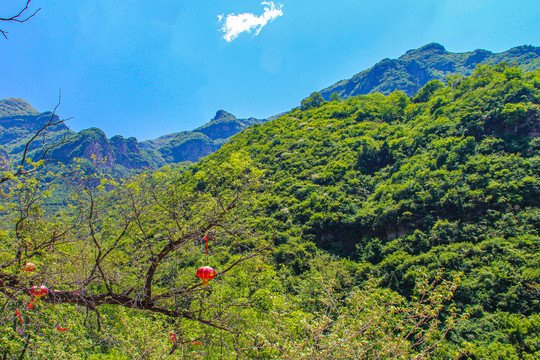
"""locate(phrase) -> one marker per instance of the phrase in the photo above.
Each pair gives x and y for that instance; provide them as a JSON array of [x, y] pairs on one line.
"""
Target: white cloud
[[237, 24]]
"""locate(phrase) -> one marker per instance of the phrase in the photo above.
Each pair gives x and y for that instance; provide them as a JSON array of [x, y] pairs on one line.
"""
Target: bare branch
[[242, 260], [20, 17], [171, 246]]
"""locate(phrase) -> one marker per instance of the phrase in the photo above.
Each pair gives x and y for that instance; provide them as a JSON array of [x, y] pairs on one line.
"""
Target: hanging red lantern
[[206, 273], [39, 291], [29, 267]]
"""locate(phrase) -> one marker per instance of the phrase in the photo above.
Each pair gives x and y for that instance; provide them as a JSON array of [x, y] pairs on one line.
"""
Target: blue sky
[[148, 68]]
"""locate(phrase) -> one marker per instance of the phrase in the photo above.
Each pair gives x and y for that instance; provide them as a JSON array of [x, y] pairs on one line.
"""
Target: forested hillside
[[446, 181], [379, 226]]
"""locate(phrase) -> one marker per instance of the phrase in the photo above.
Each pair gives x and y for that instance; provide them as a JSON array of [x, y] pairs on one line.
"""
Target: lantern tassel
[[206, 239]]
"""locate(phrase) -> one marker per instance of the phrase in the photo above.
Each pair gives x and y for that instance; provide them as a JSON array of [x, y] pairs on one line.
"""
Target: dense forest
[[380, 226]]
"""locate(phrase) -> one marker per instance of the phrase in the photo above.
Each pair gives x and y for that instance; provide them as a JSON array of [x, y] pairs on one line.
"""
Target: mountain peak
[[429, 49], [433, 47], [16, 107], [222, 114]]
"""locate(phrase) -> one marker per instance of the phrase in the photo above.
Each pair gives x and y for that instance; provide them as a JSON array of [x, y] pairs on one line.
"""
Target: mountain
[[224, 125], [116, 151], [417, 67], [19, 121]]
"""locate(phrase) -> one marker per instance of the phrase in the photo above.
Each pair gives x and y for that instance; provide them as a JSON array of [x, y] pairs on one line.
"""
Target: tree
[[373, 323], [313, 101], [132, 247], [427, 91], [21, 17], [335, 96]]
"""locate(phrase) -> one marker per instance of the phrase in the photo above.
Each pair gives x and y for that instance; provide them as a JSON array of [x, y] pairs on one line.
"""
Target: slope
[[446, 183]]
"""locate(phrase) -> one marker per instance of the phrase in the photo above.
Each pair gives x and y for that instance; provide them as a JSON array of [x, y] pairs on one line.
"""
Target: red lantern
[[39, 291], [29, 267], [206, 273]]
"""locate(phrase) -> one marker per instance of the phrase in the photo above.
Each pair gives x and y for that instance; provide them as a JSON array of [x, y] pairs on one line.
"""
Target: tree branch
[[171, 246], [19, 17]]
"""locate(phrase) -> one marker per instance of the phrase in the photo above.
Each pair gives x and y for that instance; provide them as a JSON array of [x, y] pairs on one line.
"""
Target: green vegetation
[[16, 108], [374, 226]]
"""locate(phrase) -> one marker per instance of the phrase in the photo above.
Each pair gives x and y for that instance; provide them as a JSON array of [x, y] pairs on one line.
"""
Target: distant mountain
[[192, 145], [19, 121], [417, 67], [116, 151], [224, 125]]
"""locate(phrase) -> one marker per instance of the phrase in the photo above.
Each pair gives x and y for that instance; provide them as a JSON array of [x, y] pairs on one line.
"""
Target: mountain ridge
[[417, 67], [19, 121], [412, 70]]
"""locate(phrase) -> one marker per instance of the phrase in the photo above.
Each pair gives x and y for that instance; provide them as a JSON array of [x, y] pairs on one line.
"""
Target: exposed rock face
[[126, 152], [417, 67], [93, 144]]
